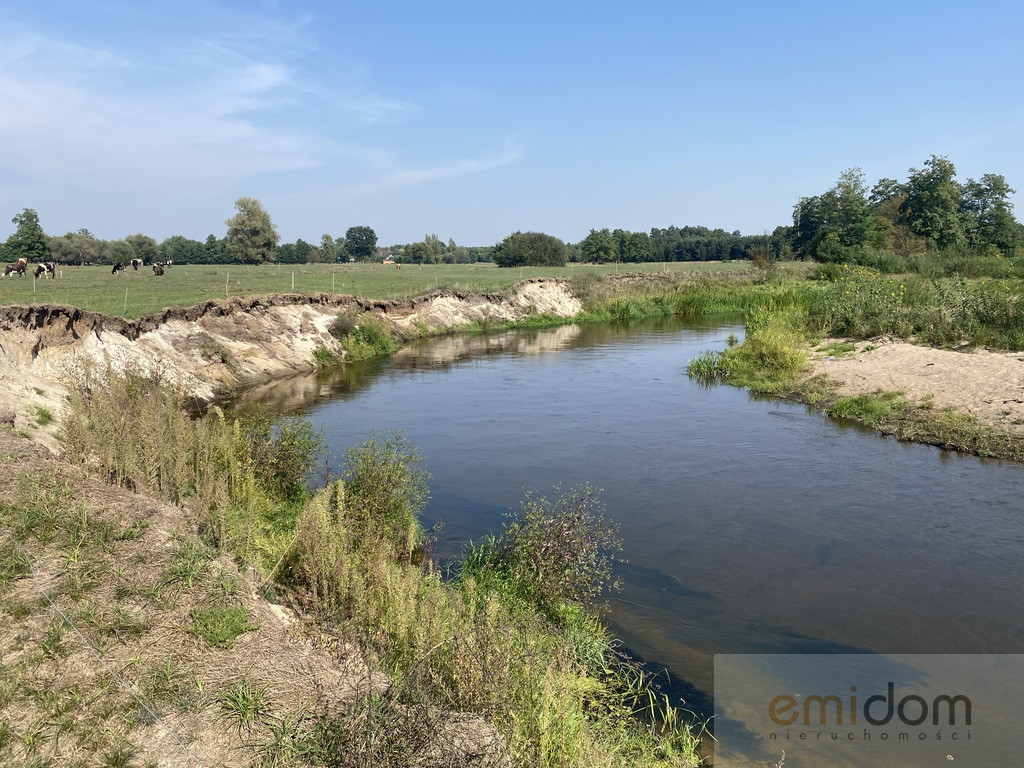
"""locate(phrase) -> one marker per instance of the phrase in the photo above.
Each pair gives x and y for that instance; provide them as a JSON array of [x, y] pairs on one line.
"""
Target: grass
[[134, 294]]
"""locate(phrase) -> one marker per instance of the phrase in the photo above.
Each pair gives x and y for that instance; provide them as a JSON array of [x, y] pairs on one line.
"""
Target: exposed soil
[[219, 347], [988, 385]]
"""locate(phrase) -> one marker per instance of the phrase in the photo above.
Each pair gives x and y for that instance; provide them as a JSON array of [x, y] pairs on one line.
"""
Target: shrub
[[556, 551], [371, 338]]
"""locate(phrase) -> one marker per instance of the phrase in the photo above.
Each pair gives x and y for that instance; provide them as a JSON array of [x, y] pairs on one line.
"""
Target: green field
[[134, 294]]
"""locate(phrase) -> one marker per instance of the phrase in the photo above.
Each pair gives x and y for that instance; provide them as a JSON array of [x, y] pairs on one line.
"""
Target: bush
[[371, 338], [556, 551]]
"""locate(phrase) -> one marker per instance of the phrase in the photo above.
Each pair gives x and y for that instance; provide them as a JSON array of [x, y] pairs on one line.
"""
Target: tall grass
[[947, 312], [517, 645]]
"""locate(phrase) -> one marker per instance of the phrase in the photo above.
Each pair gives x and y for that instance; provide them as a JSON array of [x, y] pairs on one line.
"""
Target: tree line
[[930, 211]]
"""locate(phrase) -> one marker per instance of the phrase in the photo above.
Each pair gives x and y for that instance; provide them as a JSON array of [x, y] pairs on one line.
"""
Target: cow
[[118, 267], [14, 269], [136, 263], [46, 269], [169, 263], [158, 269]]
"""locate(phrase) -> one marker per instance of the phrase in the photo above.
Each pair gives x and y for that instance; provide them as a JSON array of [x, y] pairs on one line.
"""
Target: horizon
[[472, 124]]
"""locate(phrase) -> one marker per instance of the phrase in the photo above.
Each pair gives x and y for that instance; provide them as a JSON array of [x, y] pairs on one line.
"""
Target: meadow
[[135, 294]]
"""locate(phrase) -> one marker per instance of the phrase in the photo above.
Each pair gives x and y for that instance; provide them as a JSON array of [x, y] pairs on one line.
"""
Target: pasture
[[134, 294]]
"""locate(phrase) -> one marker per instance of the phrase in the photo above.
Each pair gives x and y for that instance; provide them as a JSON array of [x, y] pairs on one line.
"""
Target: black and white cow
[[118, 267], [45, 269], [136, 263]]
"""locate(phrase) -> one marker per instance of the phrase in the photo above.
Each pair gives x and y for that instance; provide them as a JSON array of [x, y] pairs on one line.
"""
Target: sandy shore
[[988, 385]]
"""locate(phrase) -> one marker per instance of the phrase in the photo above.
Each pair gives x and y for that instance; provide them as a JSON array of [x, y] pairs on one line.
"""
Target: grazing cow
[[169, 263], [136, 263], [118, 267], [46, 269], [158, 269]]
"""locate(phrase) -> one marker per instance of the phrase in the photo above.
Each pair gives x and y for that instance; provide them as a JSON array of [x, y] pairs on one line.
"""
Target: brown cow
[[158, 269]]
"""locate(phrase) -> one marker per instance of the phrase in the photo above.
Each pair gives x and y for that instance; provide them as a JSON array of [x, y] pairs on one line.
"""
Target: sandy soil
[[218, 347], [989, 385]]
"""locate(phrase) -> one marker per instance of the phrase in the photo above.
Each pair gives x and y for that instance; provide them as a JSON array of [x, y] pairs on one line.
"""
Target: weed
[[191, 560], [119, 757], [220, 625], [245, 704], [43, 416]]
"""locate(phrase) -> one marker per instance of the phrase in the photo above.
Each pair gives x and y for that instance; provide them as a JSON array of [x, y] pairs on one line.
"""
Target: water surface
[[749, 525]]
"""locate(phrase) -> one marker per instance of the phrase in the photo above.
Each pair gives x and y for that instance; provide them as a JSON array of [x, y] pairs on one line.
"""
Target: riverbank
[[465, 661]]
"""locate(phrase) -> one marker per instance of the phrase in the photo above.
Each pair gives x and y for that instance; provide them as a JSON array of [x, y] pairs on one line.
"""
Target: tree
[[145, 247], [252, 237], [931, 208], [987, 214], [182, 250], [216, 250], [79, 247], [599, 247], [530, 249], [328, 250], [842, 211], [361, 243], [28, 241]]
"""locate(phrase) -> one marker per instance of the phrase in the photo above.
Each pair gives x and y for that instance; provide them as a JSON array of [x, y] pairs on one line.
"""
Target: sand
[[988, 385]]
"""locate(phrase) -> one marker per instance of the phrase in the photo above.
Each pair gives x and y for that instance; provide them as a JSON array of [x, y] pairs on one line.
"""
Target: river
[[750, 526]]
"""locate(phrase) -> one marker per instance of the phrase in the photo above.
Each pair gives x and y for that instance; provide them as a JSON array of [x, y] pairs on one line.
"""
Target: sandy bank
[[988, 385], [219, 347]]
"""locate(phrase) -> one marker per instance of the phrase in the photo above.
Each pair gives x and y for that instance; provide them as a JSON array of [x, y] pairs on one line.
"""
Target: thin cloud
[[404, 178]]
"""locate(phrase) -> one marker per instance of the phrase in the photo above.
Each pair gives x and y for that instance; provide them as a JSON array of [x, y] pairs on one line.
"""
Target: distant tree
[[294, 253], [252, 237], [217, 250], [530, 249], [360, 243], [79, 247], [842, 211], [182, 250], [119, 251], [599, 247], [633, 247], [145, 247], [417, 253], [931, 208], [28, 241], [328, 250], [987, 214]]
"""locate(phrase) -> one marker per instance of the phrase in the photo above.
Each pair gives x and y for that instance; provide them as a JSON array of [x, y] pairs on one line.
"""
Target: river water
[[750, 526]]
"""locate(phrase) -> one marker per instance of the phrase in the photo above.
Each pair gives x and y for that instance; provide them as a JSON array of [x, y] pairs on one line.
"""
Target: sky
[[472, 120]]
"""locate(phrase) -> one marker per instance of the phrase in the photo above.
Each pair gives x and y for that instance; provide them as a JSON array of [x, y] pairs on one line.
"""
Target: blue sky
[[472, 120]]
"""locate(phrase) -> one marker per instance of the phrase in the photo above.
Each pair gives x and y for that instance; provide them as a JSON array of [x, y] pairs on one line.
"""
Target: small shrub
[[342, 325], [43, 416], [325, 358], [370, 338], [555, 551]]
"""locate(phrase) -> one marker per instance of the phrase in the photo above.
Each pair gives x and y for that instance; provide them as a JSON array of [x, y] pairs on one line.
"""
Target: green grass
[[94, 288]]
